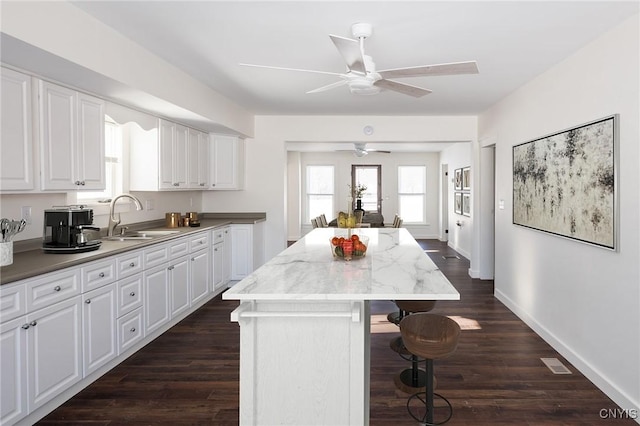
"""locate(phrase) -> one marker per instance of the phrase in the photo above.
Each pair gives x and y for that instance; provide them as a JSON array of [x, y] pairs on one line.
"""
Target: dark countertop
[[33, 262]]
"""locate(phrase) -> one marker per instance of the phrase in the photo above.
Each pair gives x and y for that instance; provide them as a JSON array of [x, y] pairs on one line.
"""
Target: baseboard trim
[[592, 373]]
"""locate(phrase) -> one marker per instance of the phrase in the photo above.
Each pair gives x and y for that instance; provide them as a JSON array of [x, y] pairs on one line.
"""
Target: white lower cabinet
[[54, 350], [200, 276], [13, 371], [130, 329], [247, 249], [179, 286], [218, 265], [99, 308], [156, 298]]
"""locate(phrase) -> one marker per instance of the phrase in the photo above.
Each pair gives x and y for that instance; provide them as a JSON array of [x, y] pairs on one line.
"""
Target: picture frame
[[457, 202], [566, 183], [466, 204], [466, 179], [457, 179]]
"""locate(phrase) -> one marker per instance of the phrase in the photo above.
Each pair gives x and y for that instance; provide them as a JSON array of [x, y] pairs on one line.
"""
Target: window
[[113, 165], [369, 176], [320, 190], [412, 182]]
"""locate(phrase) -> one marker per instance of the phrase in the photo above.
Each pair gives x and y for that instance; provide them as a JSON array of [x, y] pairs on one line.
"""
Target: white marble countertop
[[394, 268]]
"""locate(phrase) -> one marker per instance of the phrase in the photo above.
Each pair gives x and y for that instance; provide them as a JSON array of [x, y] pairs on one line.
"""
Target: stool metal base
[[420, 413]]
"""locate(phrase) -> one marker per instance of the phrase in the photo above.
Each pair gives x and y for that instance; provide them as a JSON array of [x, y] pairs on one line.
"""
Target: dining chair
[[323, 221], [314, 222]]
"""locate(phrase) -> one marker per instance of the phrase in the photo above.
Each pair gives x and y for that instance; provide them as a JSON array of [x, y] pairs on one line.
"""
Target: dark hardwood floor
[[189, 375]]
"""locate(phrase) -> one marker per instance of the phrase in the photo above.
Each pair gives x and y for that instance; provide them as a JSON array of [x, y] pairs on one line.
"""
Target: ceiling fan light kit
[[362, 77]]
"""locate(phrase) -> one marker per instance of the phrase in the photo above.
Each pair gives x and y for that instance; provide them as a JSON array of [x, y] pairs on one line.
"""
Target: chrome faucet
[[115, 221]]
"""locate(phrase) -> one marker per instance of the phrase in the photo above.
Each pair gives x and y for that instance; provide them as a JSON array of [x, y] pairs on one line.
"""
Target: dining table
[[304, 320]]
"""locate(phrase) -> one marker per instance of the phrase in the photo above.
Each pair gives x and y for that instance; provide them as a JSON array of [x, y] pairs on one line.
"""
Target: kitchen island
[[305, 325]]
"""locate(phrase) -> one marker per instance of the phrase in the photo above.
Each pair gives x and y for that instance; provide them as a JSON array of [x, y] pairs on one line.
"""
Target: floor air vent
[[555, 366]]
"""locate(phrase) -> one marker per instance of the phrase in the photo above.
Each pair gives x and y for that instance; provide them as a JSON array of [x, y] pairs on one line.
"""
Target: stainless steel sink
[[141, 235]]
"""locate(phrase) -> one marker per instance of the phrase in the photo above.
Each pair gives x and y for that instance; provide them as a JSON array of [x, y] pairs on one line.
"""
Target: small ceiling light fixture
[[368, 130]]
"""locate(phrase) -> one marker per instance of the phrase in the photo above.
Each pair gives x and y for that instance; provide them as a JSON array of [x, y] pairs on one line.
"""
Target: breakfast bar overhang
[[305, 325]]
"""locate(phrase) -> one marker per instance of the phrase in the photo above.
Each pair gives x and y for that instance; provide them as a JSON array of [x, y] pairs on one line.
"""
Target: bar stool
[[431, 337], [411, 379]]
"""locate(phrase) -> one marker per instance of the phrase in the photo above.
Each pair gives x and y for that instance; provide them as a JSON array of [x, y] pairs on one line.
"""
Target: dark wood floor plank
[[189, 375]]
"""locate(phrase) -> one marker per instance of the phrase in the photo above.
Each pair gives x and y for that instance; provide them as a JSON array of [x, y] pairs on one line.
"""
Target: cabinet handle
[[77, 182], [82, 183], [57, 288], [176, 184], [215, 249], [101, 274], [193, 259], [133, 293], [88, 301], [131, 265], [170, 268], [133, 329], [33, 323], [25, 326], [202, 184], [213, 184]]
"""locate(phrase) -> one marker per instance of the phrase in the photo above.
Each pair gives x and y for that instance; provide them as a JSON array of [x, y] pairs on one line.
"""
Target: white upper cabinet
[[227, 163], [16, 144], [71, 138], [198, 160], [172, 162]]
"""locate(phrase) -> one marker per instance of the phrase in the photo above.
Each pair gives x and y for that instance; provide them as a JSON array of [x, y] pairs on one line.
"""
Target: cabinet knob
[[101, 274], [33, 323], [132, 264], [215, 249], [213, 184], [193, 259], [133, 329], [82, 183], [202, 184], [25, 326], [88, 301], [170, 268], [133, 293], [57, 288], [77, 182], [176, 184]]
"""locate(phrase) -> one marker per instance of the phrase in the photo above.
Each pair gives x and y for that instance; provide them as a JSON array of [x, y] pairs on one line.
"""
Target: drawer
[[179, 248], [129, 294], [97, 274], [129, 264], [199, 241], [155, 255], [130, 330], [218, 235], [52, 288], [12, 301]]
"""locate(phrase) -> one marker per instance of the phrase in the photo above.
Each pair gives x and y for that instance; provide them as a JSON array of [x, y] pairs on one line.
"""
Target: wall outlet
[[149, 205], [26, 214]]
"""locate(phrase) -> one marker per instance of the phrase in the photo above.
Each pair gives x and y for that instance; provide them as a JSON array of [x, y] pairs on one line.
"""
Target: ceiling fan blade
[[403, 88], [328, 87], [351, 52], [379, 150], [452, 68], [290, 69]]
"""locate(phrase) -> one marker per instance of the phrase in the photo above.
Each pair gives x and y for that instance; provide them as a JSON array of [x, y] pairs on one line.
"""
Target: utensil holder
[[6, 253]]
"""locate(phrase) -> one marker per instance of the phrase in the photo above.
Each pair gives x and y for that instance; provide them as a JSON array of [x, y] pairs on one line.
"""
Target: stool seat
[[429, 336]]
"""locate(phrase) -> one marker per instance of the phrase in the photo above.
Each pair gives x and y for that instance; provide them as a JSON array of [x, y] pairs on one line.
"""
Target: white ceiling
[[512, 42]]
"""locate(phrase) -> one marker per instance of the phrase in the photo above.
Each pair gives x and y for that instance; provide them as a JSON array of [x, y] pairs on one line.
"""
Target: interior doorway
[[444, 203]]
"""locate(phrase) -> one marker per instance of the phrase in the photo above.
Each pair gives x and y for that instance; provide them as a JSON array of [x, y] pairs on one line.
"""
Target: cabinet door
[[55, 350], [99, 328], [226, 261], [179, 286], [227, 162], [156, 298], [203, 161], [57, 136], [90, 163], [13, 370], [218, 266], [241, 251], [167, 135], [200, 276], [193, 172], [16, 146], [180, 157]]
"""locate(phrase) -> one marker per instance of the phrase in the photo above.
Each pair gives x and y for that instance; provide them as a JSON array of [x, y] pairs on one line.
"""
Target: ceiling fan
[[361, 75], [360, 149]]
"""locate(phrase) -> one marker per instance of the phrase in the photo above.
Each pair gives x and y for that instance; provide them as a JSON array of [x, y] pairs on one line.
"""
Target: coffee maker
[[64, 228]]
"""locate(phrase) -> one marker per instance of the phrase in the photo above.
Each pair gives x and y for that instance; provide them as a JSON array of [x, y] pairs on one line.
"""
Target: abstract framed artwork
[[466, 204], [566, 183], [466, 179], [457, 202], [457, 179]]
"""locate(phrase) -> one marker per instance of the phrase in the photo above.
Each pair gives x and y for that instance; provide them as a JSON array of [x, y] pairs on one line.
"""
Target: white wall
[[457, 157], [582, 299], [267, 164]]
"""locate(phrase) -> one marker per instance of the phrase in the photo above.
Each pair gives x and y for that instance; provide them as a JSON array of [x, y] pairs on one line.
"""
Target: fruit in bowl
[[349, 247]]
